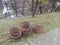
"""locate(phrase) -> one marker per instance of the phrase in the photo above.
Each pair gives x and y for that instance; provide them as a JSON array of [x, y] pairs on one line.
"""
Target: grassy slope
[[48, 21]]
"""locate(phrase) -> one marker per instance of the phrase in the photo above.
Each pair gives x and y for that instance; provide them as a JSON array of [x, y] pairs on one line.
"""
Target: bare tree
[[14, 5], [36, 5], [33, 8], [23, 7], [52, 2]]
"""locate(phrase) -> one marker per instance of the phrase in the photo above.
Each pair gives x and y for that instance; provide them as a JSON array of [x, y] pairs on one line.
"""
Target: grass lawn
[[47, 21]]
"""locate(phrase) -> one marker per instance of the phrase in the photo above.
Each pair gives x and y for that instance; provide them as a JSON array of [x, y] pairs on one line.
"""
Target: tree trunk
[[36, 5], [15, 7], [33, 15], [23, 7]]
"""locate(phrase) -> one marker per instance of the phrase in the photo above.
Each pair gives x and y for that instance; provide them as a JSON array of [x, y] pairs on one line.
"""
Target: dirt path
[[50, 38]]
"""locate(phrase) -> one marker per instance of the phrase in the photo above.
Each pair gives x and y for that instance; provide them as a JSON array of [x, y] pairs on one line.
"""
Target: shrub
[[15, 32], [25, 24], [26, 31], [26, 28], [37, 29]]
